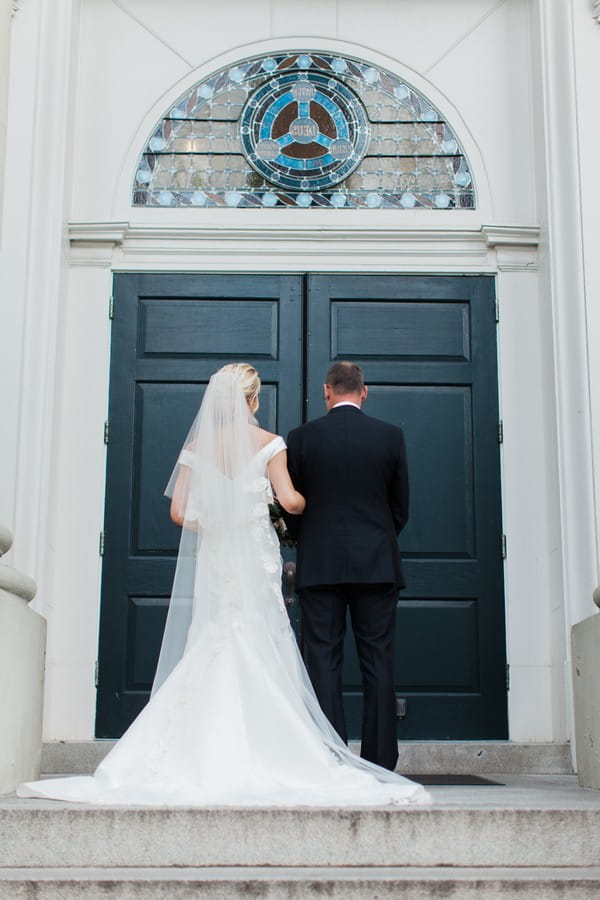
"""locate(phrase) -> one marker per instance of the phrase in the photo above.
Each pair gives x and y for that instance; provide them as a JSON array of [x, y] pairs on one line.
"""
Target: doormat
[[455, 779]]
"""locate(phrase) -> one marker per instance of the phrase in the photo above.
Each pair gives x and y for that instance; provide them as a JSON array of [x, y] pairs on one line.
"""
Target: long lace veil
[[210, 489]]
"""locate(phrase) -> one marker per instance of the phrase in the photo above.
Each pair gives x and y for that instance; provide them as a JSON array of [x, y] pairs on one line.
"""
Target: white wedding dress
[[236, 722]]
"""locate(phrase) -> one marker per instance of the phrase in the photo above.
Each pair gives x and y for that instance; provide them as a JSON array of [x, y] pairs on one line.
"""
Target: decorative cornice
[[596, 13], [154, 245], [515, 246], [15, 6]]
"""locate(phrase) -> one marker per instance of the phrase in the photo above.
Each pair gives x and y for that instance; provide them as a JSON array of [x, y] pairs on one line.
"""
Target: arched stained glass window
[[304, 129]]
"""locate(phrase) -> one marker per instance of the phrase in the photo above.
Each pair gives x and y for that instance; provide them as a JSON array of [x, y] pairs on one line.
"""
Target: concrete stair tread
[[535, 821], [516, 792], [281, 883]]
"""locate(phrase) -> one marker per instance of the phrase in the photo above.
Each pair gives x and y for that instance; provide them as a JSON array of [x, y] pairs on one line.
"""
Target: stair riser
[[82, 757], [303, 890], [221, 837]]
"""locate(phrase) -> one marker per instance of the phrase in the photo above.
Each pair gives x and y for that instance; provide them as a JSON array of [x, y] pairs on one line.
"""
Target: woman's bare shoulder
[[265, 437]]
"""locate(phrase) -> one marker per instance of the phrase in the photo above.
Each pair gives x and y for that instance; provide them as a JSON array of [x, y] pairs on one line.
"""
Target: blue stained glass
[[463, 179], [392, 141], [233, 198], [401, 92], [371, 75]]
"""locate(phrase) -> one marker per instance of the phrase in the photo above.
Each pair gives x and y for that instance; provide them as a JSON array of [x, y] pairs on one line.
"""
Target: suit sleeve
[[399, 487]]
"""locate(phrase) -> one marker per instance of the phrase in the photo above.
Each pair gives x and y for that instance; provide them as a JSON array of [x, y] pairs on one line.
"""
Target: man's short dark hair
[[345, 378]]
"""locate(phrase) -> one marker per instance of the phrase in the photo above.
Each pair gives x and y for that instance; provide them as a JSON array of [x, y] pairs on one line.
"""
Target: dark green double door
[[428, 347]]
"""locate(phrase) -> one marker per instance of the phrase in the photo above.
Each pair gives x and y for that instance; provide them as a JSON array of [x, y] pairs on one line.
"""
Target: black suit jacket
[[352, 470]]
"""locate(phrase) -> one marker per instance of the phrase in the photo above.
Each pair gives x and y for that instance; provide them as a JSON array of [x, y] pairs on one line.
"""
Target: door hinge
[[101, 544], [96, 674], [106, 432], [500, 431], [111, 307], [507, 677], [503, 545], [497, 309]]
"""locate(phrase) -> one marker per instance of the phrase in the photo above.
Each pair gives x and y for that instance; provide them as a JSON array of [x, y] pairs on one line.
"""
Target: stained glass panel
[[304, 129]]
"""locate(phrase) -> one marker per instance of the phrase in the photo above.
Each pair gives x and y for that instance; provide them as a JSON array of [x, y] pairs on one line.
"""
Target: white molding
[[154, 246], [596, 14], [516, 246]]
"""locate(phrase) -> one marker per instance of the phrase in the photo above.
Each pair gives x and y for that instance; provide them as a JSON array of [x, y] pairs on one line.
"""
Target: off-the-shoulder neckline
[[269, 443]]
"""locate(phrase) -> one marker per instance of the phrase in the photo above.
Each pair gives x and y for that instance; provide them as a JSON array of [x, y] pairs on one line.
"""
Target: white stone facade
[[517, 80]]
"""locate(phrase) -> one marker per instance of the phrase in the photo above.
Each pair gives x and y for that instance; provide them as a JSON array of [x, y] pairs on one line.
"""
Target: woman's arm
[[291, 500], [180, 493]]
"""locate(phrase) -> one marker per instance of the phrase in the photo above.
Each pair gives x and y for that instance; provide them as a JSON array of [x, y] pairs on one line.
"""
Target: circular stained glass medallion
[[304, 131]]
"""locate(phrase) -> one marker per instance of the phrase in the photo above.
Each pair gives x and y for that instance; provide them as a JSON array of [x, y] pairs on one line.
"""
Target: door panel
[[170, 333], [428, 347]]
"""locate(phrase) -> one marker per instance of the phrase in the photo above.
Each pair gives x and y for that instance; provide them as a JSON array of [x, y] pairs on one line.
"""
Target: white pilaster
[[77, 510], [564, 263], [5, 15], [562, 251], [531, 512], [38, 154]]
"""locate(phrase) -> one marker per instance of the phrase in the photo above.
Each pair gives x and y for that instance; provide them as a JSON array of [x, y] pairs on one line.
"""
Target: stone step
[[532, 821], [301, 883], [474, 757]]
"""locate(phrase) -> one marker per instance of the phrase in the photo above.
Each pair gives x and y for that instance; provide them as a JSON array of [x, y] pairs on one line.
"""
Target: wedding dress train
[[236, 722]]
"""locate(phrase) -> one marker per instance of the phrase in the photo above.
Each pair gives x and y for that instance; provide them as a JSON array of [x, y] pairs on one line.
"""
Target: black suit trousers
[[373, 616]]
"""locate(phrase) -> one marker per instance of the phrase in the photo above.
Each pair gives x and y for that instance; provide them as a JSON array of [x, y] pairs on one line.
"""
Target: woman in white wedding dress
[[233, 719]]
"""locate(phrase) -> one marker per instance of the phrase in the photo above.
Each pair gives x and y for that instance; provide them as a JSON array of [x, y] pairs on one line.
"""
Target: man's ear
[[363, 393]]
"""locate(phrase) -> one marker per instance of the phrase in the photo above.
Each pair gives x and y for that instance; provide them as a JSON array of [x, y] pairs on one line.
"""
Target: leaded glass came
[[304, 129]]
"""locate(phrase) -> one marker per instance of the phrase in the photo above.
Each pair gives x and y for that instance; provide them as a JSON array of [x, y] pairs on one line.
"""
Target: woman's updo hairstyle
[[249, 380]]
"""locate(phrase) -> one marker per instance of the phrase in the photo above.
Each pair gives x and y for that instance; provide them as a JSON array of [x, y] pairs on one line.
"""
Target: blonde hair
[[249, 380]]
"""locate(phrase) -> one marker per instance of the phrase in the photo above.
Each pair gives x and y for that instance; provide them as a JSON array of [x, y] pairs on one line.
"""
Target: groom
[[352, 470]]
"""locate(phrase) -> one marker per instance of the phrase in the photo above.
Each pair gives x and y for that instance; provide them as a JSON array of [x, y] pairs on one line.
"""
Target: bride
[[233, 719]]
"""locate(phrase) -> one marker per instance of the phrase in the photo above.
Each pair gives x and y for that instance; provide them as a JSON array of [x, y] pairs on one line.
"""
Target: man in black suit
[[352, 470]]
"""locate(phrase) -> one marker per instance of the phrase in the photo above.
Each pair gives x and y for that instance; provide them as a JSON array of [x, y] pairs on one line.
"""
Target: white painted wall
[[126, 62]]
